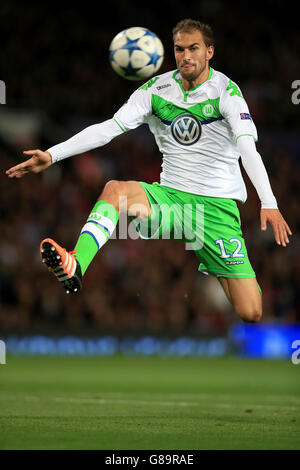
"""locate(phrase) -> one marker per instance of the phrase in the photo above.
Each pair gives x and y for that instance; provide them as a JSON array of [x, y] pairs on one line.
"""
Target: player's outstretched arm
[[38, 162], [279, 226], [257, 173]]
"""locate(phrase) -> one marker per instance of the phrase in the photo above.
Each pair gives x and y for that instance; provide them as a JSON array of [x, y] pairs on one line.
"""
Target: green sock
[[95, 233]]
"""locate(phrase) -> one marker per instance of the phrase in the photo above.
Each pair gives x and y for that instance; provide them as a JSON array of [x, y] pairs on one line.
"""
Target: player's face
[[191, 54]]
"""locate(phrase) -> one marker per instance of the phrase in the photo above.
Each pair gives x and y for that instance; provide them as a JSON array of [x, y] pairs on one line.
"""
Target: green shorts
[[210, 226]]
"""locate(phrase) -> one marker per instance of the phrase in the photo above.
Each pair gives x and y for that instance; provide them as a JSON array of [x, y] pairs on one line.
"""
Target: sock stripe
[[102, 220], [100, 225], [93, 236], [99, 233], [97, 230]]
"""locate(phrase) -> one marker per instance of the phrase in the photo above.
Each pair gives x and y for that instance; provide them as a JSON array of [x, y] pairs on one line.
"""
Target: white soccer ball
[[136, 53]]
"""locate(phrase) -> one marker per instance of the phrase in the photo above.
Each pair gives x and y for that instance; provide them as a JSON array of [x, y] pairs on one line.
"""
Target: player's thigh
[[166, 217], [245, 296], [137, 200], [224, 283], [127, 196]]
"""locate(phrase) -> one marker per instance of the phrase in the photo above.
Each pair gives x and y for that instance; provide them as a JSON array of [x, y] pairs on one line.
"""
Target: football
[[136, 53]]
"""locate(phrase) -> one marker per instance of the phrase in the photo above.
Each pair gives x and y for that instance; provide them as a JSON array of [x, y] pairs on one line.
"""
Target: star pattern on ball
[[131, 45], [130, 67], [154, 58], [129, 70]]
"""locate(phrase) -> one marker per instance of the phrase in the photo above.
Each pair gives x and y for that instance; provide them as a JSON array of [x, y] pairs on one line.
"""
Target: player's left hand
[[279, 226], [39, 161]]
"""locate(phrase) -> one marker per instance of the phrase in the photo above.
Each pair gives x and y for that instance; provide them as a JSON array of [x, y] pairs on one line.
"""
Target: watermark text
[[296, 94], [296, 354], [2, 352], [2, 92], [166, 222]]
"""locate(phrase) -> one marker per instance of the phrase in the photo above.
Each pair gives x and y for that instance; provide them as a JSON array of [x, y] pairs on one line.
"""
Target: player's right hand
[[38, 162]]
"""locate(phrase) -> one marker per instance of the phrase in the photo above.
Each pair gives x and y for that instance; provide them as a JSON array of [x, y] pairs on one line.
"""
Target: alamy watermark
[[296, 94], [183, 222], [2, 92], [296, 354], [2, 352]]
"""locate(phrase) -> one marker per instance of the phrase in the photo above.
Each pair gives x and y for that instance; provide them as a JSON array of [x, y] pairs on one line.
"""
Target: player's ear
[[209, 52]]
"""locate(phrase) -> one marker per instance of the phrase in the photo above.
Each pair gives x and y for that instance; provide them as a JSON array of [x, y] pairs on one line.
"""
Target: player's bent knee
[[112, 191], [250, 314], [112, 187]]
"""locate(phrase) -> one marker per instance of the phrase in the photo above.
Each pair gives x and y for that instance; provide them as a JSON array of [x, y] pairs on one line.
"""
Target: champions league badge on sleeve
[[245, 116]]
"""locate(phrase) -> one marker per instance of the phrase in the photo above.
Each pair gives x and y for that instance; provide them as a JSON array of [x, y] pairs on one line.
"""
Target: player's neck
[[190, 84]]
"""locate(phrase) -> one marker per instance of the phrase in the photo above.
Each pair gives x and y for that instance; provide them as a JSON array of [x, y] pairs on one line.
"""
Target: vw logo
[[186, 129]]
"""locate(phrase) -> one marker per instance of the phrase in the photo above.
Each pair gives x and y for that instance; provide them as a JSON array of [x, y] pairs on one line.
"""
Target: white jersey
[[196, 131]]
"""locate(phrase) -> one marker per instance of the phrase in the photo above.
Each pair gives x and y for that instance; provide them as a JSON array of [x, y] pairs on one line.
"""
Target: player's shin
[[95, 233]]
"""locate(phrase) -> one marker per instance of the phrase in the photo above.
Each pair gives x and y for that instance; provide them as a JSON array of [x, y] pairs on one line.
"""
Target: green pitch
[[148, 403]]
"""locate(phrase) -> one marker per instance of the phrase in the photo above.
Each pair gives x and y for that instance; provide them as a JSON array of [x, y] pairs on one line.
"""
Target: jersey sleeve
[[89, 138], [135, 111], [235, 110], [131, 115], [255, 169]]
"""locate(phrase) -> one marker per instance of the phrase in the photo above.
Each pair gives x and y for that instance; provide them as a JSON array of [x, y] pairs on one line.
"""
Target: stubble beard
[[192, 76]]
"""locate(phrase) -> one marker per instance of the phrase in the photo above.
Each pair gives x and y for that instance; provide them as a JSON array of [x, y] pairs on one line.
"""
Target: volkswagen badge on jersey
[[186, 129]]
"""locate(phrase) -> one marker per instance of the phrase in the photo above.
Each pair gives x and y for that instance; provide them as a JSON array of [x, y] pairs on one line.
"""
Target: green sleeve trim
[[251, 135], [122, 128]]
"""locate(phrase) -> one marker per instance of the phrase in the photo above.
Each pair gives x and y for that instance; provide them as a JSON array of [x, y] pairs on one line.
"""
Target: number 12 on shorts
[[235, 254]]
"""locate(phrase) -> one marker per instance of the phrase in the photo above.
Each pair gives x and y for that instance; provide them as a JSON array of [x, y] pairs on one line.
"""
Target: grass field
[[152, 403]]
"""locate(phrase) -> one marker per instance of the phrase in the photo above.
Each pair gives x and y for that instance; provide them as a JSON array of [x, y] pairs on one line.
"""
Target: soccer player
[[202, 125]]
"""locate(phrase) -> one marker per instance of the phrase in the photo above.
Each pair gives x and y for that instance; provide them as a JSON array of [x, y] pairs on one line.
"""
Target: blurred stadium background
[[58, 81]]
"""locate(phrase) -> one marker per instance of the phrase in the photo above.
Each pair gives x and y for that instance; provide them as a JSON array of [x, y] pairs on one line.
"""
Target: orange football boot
[[63, 264]]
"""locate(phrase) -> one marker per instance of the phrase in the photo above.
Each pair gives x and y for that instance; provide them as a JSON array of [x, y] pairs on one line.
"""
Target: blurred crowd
[[58, 63], [56, 57], [136, 285]]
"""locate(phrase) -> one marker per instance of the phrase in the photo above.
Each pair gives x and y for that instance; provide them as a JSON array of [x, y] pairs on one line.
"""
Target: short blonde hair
[[187, 25]]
